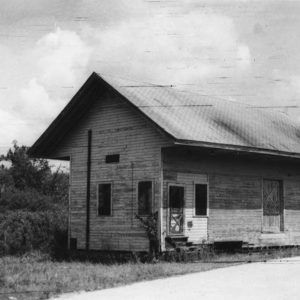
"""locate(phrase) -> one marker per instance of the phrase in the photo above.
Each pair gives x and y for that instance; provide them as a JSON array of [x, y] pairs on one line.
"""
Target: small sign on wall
[[190, 224]]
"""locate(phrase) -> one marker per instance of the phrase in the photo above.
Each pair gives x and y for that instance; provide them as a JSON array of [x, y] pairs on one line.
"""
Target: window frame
[[111, 198], [152, 196], [207, 200]]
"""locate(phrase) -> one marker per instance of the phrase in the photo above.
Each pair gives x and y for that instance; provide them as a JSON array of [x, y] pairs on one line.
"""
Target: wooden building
[[214, 170]]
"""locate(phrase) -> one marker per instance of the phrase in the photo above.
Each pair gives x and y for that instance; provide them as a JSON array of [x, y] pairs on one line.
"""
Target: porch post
[[88, 190], [161, 206]]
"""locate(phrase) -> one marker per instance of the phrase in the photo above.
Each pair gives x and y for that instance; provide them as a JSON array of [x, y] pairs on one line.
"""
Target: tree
[[27, 172], [33, 204], [6, 180]]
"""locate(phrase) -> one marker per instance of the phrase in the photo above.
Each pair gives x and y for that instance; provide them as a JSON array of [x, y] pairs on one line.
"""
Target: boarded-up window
[[272, 197], [201, 199], [104, 199], [144, 197], [273, 206]]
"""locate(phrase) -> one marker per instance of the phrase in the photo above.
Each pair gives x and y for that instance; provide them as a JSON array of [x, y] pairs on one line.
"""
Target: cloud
[[58, 65], [243, 56], [285, 86], [170, 45], [170, 48], [284, 92], [295, 84], [61, 59], [35, 102], [10, 127]]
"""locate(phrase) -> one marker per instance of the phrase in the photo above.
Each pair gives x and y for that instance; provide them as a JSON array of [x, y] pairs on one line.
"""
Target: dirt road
[[278, 279]]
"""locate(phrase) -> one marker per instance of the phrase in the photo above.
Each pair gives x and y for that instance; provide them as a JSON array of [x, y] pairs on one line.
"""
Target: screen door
[[176, 201]]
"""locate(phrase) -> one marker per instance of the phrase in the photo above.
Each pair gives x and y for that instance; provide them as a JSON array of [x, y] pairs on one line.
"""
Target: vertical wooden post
[[69, 201], [160, 204], [132, 193], [88, 190]]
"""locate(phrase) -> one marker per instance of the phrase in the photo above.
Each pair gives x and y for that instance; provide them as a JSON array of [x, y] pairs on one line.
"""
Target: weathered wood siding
[[235, 207], [235, 193], [116, 129], [197, 232], [291, 192]]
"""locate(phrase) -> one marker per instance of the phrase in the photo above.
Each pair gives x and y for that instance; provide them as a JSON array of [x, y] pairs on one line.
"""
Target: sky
[[243, 51]]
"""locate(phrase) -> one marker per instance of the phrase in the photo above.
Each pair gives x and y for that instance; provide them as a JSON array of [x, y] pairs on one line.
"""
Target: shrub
[[22, 231], [29, 200], [33, 204], [151, 227]]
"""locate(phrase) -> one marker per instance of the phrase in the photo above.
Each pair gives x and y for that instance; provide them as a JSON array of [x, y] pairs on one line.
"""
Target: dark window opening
[[112, 158], [201, 199], [176, 196], [104, 199], [144, 197]]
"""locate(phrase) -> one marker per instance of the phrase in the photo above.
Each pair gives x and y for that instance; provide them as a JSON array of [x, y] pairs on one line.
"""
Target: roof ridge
[[145, 84], [172, 87], [234, 126]]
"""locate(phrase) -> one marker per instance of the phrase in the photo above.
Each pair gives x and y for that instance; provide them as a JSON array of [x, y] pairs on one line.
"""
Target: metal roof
[[195, 118], [188, 118]]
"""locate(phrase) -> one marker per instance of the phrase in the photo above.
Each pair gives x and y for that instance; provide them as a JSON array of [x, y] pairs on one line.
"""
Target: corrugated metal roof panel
[[198, 118]]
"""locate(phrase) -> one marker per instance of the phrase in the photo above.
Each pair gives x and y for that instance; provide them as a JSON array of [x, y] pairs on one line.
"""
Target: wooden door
[[272, 206], [176, 202]]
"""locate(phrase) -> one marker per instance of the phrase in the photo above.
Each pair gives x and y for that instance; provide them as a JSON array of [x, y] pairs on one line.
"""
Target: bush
[[29, 200], [33, 204], [22, 231], [150, 225]]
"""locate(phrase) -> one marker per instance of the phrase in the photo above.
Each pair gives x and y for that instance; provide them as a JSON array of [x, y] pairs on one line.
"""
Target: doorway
[[176, 203], [273, 205]]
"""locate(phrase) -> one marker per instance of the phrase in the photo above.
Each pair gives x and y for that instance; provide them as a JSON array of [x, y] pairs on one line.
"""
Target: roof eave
[[38, 149], [253, 150], [41, 147]]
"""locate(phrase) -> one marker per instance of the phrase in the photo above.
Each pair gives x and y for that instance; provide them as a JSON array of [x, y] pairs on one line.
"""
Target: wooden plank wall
[[198, 232], [235, 191], [292, 209], [235, 207], [116, 129]]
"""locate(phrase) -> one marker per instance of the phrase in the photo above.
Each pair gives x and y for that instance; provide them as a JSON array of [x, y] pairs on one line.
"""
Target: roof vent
[[112, 158]]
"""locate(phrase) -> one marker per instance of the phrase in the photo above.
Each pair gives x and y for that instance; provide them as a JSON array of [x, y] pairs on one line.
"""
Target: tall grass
[[26, 274], [21, 276]]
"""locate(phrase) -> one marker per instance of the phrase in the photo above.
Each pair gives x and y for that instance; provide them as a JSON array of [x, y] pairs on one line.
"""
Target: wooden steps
[[177, 241]]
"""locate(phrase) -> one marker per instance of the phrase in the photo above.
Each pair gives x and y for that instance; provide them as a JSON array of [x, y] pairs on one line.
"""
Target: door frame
[[183, 208], [281, 204]]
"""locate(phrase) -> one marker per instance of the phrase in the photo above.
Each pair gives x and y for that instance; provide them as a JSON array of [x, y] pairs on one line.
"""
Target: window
[[104, 199], [144, 197], [201, 199], [176, 197], [112, 158]]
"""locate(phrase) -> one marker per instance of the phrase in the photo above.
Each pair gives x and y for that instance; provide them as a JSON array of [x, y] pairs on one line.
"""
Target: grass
[[20, 276]]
